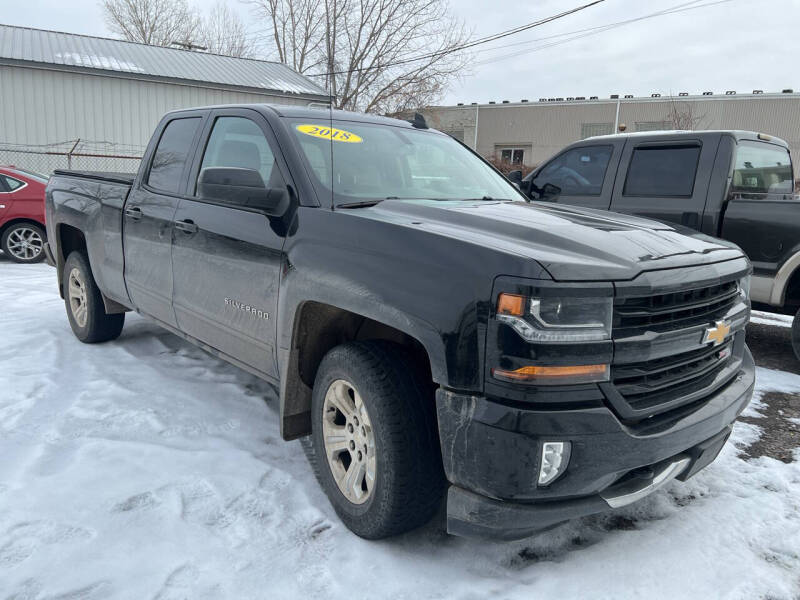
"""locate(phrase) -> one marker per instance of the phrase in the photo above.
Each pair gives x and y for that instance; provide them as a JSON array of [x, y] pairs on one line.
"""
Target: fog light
[[555, 457]]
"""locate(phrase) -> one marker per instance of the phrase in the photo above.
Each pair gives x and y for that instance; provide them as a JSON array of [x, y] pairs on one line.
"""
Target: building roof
[[37, 47]]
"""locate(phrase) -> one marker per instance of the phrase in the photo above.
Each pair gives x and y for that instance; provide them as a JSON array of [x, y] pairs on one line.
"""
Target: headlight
[[554, 319], [744, 288]]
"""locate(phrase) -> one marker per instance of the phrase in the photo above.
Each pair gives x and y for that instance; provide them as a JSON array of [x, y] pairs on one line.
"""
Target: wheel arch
[[15, 221], [786, 285], [317, 328], [69, 239]]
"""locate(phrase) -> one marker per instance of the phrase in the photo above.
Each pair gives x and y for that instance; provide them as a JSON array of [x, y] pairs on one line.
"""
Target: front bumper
[[491, 456]]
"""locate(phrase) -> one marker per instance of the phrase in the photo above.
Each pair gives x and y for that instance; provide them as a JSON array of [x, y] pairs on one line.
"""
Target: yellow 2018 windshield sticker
[[329, 133]]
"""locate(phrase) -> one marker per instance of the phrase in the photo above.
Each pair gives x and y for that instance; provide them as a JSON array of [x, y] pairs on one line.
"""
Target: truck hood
[[571, 243]]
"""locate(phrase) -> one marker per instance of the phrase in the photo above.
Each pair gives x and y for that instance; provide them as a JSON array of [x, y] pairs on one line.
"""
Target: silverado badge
[[717, 333]]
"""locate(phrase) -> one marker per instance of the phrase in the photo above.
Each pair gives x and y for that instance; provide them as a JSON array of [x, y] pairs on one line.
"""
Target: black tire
[[15, 234], [796, 334], [409, 479], [94, 325]]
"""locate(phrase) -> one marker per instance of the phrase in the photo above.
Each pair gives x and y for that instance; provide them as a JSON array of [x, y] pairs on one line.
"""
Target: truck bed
[[110, 176], [92, 202]]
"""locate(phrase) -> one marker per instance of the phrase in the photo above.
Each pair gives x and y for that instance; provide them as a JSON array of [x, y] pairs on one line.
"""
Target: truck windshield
[[358, 162], [762, 168]]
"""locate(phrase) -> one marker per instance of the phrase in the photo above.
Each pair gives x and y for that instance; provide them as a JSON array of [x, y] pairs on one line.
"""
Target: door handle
[[187, 226], [134, 213]]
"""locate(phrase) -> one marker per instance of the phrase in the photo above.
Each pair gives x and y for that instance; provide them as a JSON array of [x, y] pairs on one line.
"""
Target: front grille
[[664, 384], [650, 384], [676, 310]]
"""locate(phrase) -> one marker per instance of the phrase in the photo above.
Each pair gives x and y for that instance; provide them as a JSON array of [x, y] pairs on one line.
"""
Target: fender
[[432, 288], [777, 287]]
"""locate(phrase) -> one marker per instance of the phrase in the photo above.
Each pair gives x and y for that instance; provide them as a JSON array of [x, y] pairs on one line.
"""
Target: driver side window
[[577, 172], [239, 143]]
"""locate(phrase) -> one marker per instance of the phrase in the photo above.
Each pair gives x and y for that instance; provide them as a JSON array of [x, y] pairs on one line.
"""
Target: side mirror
[[515, 177], [550, 191], [242, 187]]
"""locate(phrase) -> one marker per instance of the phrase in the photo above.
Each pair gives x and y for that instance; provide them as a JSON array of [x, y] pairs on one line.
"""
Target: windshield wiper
[[487, 198]]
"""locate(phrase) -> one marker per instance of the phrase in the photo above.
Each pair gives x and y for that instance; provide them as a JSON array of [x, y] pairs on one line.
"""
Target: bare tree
[[155, 22], [364, 51], [224, 33], [682, 116]]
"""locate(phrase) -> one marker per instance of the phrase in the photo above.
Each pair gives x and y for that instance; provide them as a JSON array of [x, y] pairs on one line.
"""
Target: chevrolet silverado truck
[[735, 185], [433, 335]]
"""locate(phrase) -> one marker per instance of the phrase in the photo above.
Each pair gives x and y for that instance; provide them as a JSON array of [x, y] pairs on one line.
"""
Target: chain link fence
[[78, 155]]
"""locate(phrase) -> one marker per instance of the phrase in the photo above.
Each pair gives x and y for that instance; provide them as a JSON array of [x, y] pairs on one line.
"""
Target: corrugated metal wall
[[39, 106], [548, 127]]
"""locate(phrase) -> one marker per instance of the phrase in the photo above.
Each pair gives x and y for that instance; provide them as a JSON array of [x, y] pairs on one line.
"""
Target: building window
[[592, 129], [514, 156], [653, 126]]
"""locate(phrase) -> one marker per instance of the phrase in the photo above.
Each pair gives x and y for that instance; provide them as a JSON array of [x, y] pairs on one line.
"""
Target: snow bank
[[144, 468]]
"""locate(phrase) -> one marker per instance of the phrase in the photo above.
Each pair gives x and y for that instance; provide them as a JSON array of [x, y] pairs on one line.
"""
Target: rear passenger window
[[577, 172], [664, 171], [11, 183], [171, 155]]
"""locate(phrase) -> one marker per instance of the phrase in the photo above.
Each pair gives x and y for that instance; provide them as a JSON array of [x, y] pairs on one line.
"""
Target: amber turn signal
[[511, 304], [550, 375]]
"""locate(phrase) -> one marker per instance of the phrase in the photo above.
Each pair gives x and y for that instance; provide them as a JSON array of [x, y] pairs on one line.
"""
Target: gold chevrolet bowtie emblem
[[717, 334]]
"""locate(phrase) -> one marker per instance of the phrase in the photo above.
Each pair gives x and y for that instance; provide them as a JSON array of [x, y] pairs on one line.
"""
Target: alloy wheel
[[77, 297], [349, 441], [25, 243]]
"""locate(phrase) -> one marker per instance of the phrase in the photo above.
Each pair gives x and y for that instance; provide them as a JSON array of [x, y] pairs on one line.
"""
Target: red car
[[22, 231]]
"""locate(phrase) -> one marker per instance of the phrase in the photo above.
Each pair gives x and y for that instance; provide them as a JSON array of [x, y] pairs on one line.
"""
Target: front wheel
[[24, 243], [85, 310], [374, 447], [796, 334]]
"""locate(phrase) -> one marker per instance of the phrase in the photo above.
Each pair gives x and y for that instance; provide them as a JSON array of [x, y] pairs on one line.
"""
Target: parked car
[[428, 327], [734, 185], [22, 222]]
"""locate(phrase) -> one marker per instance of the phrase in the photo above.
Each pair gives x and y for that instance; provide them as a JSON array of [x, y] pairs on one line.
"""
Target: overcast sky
[[733, 45]]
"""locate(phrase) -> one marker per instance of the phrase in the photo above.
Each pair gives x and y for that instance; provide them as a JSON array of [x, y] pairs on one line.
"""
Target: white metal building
[[62, 92]]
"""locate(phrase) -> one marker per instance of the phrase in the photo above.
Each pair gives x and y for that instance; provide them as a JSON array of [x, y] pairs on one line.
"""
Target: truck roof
[[738, 134], [308, 112]]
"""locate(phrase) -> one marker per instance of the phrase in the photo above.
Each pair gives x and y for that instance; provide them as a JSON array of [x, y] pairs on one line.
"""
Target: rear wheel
[[796, 334], [85, 309], [374, 446], [24, 243]]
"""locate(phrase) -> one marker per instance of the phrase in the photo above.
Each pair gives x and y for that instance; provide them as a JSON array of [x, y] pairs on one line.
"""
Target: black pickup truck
[[735, 185], [431, 332]]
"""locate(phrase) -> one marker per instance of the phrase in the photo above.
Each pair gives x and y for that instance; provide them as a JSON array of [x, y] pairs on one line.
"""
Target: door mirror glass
[[550, 191], [241, 187], [515, 177]]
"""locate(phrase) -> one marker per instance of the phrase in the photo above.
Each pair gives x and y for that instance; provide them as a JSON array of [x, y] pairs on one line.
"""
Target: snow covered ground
[[144, 468]]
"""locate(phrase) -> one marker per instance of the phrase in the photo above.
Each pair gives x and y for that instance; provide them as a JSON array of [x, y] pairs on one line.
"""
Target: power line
[[582, 33], [465, 46], [587, 29]]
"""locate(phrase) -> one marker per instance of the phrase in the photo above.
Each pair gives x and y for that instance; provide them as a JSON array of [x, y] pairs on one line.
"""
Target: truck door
[[659, 180], [227, 257], [149, 212], [763, 216], [581, 175]]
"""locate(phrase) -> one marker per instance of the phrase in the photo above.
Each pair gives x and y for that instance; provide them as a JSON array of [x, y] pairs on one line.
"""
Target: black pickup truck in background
[[734, 185], [432, 333]]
